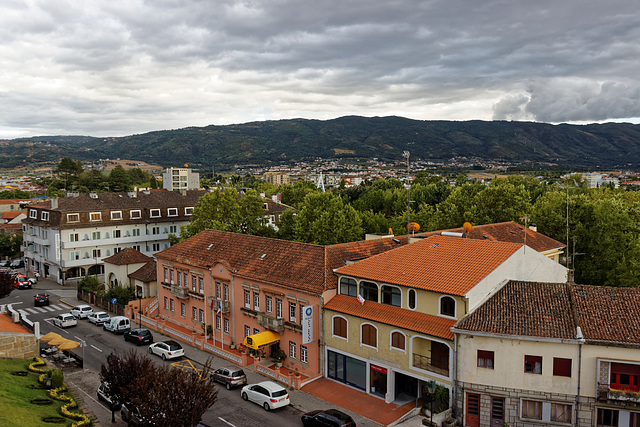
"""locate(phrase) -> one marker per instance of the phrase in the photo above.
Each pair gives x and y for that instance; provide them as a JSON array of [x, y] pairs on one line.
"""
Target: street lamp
[[139, 292], [431, 386]]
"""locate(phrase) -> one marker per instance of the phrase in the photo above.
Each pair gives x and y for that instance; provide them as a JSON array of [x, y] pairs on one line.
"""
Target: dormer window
[[188, 211], [33, 214], [73, 217], [116, 215], [172, 212], [135, 214], [95, 216], [44, 216], [155, 213]]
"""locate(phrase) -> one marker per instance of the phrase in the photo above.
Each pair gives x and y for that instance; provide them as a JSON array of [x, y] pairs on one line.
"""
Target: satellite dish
[[413, 227], [466, 227]]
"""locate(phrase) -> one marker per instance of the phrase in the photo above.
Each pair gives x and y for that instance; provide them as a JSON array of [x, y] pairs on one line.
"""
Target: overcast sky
[[120, 67]]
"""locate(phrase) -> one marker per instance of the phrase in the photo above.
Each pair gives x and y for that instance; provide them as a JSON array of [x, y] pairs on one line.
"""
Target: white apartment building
[[66, 238], [180, 179]]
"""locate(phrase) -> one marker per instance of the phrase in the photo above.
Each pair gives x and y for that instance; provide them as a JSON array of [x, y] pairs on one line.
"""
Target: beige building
[[277, 178], [539, 354], [118, 267], [180, 179]]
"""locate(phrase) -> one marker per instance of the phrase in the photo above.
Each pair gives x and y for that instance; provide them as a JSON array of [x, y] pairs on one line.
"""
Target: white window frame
[[33, 213], [201, 284], [116, 215], [268, 303], [247, 330], [409, 292], [333, 335], [135, 214], [455, 307], [403, 350], [201, 314], [172, 305], [218, 322], [194, 313], [44, 216], [247, 299], [380, 292], [292, 310], [166, 303], [304, 354], [256, 301], [73, 217], [95, 216], [183, 309], [172, 212], [226, 325], [154, 213], [292, 349], [135, 232], [188, 211], [74, 237], [377, 335]]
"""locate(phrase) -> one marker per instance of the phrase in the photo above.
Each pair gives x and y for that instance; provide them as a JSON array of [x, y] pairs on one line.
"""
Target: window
[[369, 335], [448, 306], [116, 215], [194, 312], [74, 256], [155, 230], [292, 349], [44, 216], [74, 217], [155, 247], [166, 274], [188, 211], [268, 303], [348, 287], [96, 253], [218, 322], [172, 305], [218, 290], [625, 377], [561, 413], [391, 296], [171, 276], [33, 213], [115, 250], [135, 232], [186, 280], [201, 312], [73, 237], [155, 213], [172, 212], [95, 216], [532, 409], [136, 247], [256, 331], [194, 282], [200, 285], [412, 299], [256, 301], [303, 354], [607, 417], [247, 330], [485, 359], [166, 303], [95, 235], [173, 229], [533, 364], [292, 312], [397, 340], [225, 289], [183, 310], [135, 214], [116, 234], [247, 299], [278, 308], [561, 367], [179, 277], [226, 325], [369, 291], [340, 327]]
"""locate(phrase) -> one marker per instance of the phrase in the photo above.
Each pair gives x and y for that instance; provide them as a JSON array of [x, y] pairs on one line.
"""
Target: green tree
[[501, 201], [68, 171], [457, 208], [324, 219], [119, 179], [293, 195]]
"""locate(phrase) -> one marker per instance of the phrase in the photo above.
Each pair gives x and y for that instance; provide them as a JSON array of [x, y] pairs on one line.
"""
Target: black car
[[139, 336], [5, 263], [41, 299], [327, 418], [16, 263]]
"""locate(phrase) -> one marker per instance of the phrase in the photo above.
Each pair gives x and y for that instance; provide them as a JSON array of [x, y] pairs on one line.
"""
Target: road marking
[[33, 310], [48, 309], [96, 348], [225, 421]]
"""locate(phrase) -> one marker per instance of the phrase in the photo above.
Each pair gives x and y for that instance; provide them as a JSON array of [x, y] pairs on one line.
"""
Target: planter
[[232, 346]]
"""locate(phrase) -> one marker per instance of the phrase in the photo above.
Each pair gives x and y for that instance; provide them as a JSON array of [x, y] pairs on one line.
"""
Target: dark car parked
[[41, 299], [17, 263], [327, 418], [139, 336]]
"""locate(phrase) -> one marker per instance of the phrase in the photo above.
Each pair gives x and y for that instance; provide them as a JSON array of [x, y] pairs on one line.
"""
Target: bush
[[57, 378], [88, 283]]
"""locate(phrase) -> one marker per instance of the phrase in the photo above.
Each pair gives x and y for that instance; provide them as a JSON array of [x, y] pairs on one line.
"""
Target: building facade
[[180, 179], [67, 238]]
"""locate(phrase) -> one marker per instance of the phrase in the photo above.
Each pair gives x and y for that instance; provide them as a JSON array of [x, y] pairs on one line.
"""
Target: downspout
[[580, 338], [456, 338], [321, 340]]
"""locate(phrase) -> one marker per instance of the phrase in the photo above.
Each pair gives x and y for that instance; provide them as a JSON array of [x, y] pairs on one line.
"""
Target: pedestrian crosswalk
[[44, 309]]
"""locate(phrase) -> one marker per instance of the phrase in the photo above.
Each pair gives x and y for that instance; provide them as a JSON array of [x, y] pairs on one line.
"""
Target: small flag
[[360, 299], [211, 304], [219, 309]]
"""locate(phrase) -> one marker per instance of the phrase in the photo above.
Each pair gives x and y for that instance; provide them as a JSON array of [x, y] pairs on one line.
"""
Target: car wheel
[[164, 357], [99, 397], [228, 386], [244, 396], [266, 406], [124, 417], [150, 350]]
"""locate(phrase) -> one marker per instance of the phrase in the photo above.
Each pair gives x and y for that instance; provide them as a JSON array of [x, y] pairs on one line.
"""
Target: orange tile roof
[[388, 314], [127, 256], [7, 325], [444, 264]]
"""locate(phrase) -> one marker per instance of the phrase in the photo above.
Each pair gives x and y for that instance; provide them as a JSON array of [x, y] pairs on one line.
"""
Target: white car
[[65, 320], [98, 318], [166, 349], [267, 394], [81, 311]]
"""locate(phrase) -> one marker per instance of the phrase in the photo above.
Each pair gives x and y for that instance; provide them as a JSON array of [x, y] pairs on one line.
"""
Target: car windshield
[[279, 393], [237, 373]]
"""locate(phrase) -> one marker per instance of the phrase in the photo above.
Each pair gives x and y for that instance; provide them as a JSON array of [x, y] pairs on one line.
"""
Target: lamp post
[[431, 386], [139, 292]]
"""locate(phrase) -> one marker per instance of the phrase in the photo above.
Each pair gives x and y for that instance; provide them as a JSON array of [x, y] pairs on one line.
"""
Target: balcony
[[293, 326], [617, 395], [248, 312], [271, 323], [440, 367], [178, 292], [223, 306]]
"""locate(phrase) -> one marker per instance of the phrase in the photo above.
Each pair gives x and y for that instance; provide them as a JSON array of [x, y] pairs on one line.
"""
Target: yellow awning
[[263, 339]]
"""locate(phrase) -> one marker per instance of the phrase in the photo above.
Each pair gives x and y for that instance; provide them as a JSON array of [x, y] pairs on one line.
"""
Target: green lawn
[[16, 408]]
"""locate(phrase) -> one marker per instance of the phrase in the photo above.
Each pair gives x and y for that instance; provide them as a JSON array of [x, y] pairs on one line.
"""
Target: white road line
[[49, 308], [95, 348], [225, 421], [32, 310]]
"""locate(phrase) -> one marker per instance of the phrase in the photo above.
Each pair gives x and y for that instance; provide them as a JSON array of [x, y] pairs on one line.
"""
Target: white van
[[117, 325]]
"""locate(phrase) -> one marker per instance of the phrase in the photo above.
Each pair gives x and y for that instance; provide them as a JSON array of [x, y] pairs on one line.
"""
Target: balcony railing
[[618, 393], [179, 292], [222, 305], [270, 322], [248, 311], [436, 365], [293, 326]]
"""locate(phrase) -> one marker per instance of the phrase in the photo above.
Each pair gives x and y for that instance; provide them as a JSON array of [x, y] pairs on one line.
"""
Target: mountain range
[[594, 146]]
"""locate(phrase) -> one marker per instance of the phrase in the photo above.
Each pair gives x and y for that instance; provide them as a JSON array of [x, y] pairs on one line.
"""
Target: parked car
[[16, 263], [22, 284], [117, 325], [40, 300], [5, 263], [131, 415], [98, 318], [102, 395], [327, 418], [139, 336], [65, 320], [230, 376], [267, 394], [166, 349], [81, 311]]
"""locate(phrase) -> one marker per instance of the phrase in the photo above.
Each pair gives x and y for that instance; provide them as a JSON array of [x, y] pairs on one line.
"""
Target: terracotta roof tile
[[444, 264], [147, 273], [402, 318], [127, 256]]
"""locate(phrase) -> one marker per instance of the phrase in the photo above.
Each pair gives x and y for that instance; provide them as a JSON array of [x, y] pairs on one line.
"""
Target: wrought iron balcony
[[270, 322], [424, 362]]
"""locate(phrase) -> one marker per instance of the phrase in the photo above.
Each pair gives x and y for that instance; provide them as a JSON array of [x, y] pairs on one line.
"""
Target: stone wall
[[18, 346]]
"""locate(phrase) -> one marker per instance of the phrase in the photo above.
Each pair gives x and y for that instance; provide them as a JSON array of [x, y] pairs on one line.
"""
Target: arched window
[[348, 287], [398, 340], [391, 295], [369, 291], [369, 335], [448, 306], [339, 327], [412, 299]]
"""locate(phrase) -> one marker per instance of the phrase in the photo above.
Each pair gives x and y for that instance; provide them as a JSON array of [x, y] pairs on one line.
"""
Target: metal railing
[[436, 365]]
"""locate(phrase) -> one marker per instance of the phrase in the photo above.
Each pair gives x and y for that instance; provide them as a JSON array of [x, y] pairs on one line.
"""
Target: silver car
[[230, 376], [81, 311], [98, 318]]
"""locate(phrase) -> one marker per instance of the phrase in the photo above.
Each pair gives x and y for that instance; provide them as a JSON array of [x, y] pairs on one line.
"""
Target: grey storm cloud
[[130, 66]]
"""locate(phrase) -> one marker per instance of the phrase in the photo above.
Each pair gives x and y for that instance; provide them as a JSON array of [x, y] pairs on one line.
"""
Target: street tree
[[324, 219]]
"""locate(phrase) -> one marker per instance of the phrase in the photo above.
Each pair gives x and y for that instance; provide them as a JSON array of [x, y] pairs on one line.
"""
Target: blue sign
[[113, 301]]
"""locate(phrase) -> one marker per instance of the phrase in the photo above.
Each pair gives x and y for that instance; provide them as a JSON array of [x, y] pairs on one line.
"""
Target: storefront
[[347, 370], [378, 380]]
